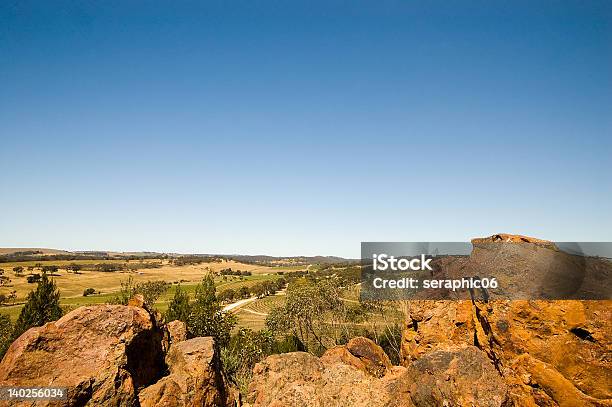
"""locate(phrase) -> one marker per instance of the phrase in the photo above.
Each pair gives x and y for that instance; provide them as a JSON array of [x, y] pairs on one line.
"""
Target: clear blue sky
[[290, 128]]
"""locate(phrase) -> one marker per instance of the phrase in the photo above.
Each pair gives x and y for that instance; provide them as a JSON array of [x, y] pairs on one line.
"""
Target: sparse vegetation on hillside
[[260, 289], [4, 280], [150, 290], [315, 310], [37, 255], [230, 272], [192, 260]]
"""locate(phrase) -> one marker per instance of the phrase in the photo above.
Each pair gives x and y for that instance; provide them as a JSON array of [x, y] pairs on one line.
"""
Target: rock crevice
[[115, 355], [552, 353]]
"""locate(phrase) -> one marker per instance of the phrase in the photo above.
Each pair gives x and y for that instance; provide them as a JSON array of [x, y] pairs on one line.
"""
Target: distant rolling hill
[[14, 252], [33, 250]]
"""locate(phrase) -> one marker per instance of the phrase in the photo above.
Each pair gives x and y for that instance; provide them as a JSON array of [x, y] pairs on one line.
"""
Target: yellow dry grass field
[[72, 285]]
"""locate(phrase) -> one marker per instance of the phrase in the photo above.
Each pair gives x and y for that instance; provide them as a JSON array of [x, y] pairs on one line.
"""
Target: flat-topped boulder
[[510, 238]]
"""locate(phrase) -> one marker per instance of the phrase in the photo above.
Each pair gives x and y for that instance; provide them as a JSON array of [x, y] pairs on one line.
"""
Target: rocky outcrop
[[551, 353], [525, 268], [361, 353], [177, 330], [528, 268], [195, 378], [114, 355], [301, 379], [101, 354], [509, 238], [460, 376], [456, 376]]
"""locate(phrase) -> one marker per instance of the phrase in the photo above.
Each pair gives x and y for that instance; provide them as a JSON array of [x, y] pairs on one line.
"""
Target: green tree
[[315, 314], [179, 308], [279, 320], [74, 267], [206, 317], [243, 292], [258, 290], [226, 295], [269, 287], [42, 306], [281, 283], [151, 291], [50, 269], [33, 278], [6, 334]]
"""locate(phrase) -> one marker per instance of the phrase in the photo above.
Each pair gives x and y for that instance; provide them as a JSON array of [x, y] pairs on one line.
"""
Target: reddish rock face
[[102, 354], [361, 353], [548, 352], [467, 353], [177, 331], [458, 376], [301, 379], [112, 355], [376, 361], [195, 378]]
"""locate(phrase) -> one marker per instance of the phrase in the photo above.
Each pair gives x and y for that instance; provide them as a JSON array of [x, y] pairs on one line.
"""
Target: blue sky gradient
[[288, 128]]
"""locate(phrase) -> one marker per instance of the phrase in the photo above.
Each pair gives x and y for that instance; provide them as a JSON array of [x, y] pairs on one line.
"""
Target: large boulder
[[115, 355], [376, 361], [461, 376], [301, 379], [456, 376], [100, 354], [195, 378], [361, 353]]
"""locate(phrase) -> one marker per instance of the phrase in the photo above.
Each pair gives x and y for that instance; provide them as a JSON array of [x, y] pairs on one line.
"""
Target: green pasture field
[[74, 302]]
